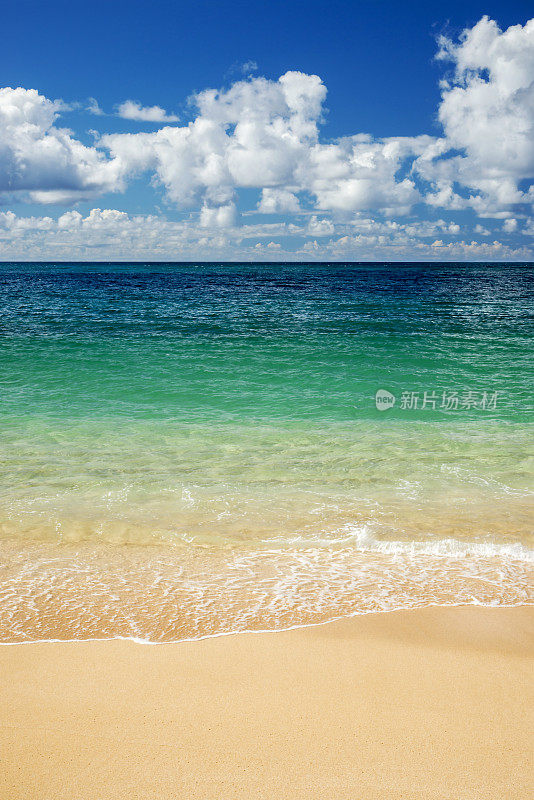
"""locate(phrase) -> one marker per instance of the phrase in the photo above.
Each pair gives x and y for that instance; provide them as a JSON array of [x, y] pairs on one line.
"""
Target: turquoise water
[[190, 449], [240, 342]]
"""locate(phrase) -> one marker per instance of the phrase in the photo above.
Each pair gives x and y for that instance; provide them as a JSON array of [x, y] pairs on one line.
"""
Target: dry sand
[[435, 703]]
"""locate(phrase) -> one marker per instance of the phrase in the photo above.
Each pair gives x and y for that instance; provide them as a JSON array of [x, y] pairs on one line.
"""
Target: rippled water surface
[[193, 449]]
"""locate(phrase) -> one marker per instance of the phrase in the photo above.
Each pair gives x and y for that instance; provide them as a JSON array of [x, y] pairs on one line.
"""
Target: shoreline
[[95, 592], [266, 631], [416, 704]]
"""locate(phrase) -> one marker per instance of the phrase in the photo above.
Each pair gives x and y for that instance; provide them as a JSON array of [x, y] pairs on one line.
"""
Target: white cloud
[[256, 134], [42, 160], [509, 225], [94, 108], [132, 110], [270, 247], [218, 217], [262, 134], [487, 113], [320, 227], [265, 134], [359, 172], [248, 67], [111, 234], [278, 201]]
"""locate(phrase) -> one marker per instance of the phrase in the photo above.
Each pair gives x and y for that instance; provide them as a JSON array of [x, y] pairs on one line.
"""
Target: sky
[[278, 131]]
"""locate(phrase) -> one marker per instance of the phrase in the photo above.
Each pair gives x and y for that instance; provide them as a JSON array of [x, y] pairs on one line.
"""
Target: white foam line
[[138, 640], [367, 542]]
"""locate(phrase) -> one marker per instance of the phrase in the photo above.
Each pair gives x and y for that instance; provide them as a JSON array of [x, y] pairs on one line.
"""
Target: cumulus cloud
[[320, 227], [113, 235], [359, 172], [264, 135], [218, 217], [487, 114], [509, 225], [256, 134], [43, 160], [278, 201], [132, 110]]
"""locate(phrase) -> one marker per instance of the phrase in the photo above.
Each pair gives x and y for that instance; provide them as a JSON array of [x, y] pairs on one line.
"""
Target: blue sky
[[376, 158]]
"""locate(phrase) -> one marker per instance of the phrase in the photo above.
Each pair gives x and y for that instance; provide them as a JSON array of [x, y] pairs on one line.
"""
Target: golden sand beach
[[432, 703]]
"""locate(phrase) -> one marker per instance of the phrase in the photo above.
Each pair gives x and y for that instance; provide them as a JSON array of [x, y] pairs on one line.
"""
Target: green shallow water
[[190, 415]]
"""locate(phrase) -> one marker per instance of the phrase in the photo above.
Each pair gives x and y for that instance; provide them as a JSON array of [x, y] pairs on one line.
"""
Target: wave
[[366, 542], [69, 592]]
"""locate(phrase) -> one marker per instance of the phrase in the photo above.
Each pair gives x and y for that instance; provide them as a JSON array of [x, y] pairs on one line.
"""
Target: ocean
[[195, 449]]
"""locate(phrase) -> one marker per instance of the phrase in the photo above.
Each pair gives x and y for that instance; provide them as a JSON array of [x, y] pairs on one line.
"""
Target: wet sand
[[433, 703]]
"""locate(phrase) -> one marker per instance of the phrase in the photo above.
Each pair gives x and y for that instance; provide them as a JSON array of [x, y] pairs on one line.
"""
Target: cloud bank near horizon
[[354, 197]]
